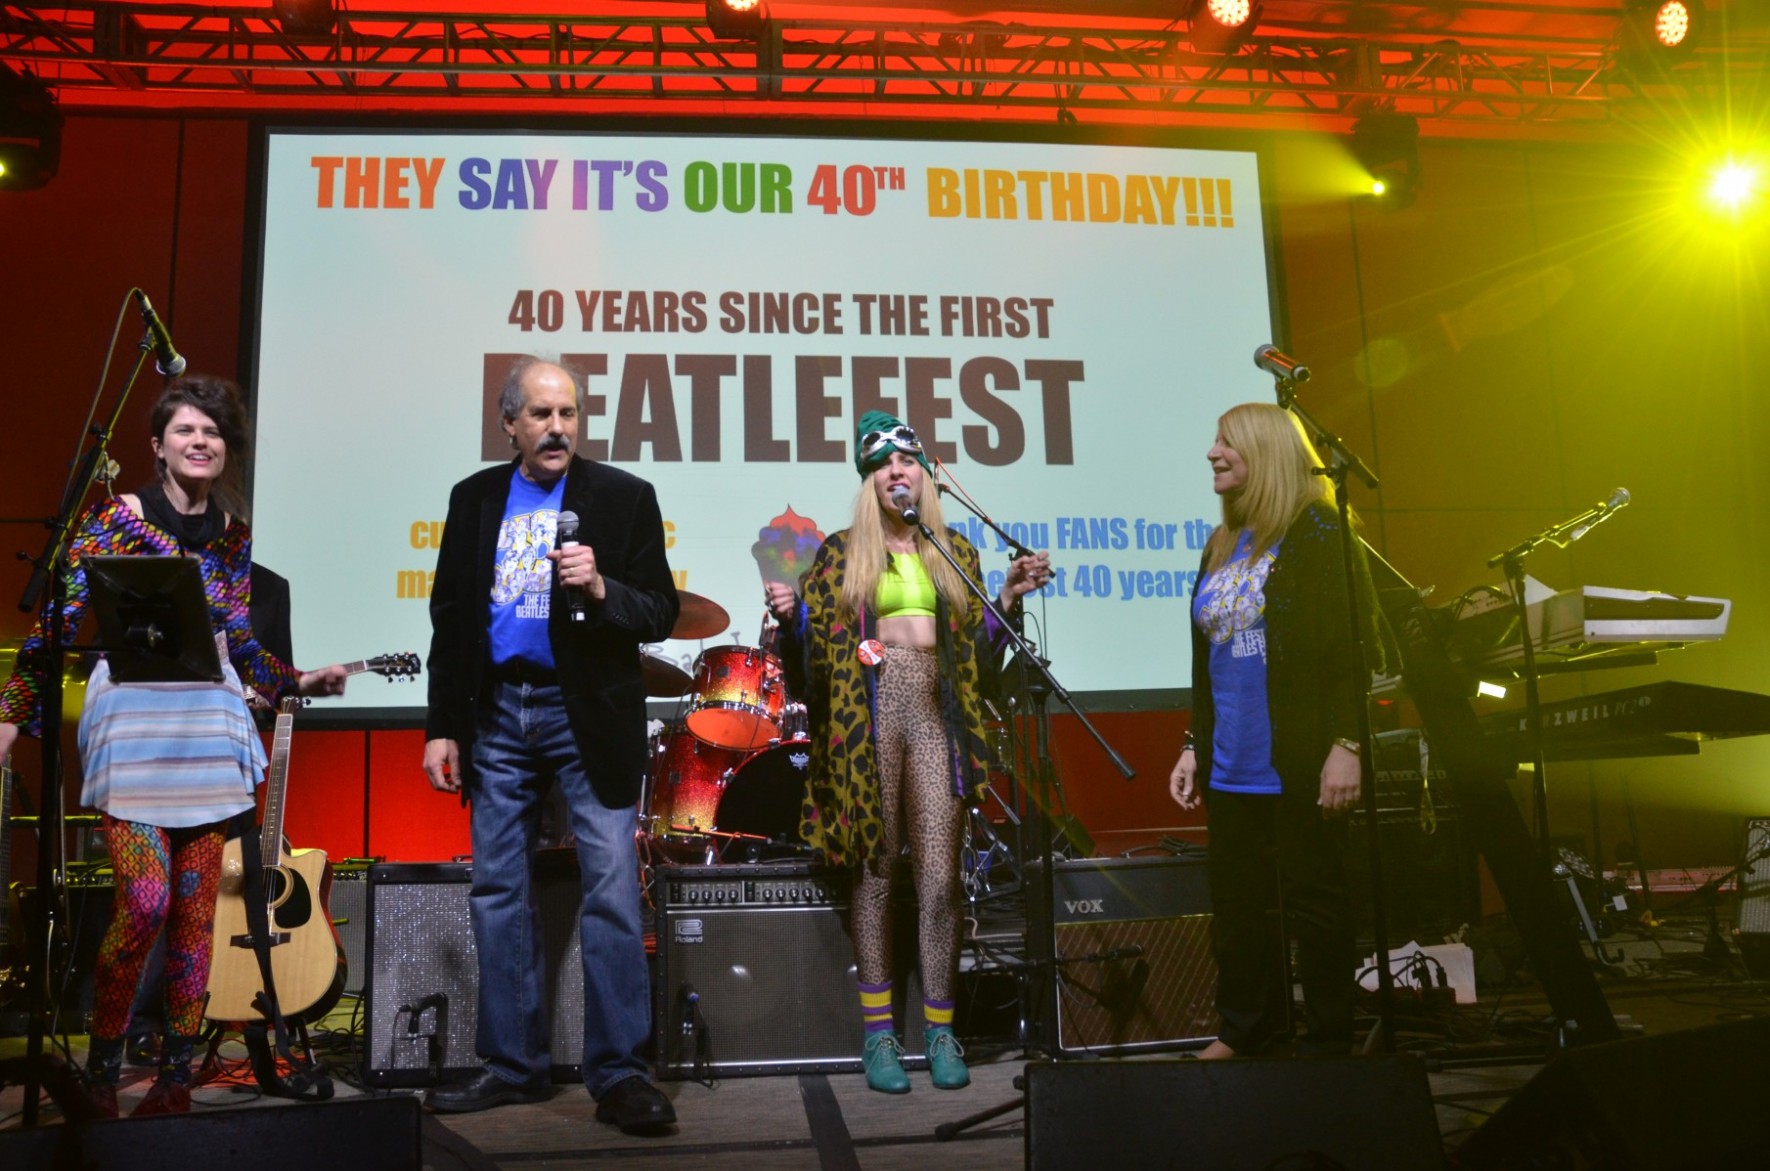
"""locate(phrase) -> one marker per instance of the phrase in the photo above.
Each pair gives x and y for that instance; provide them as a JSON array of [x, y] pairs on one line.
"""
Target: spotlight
[[1734, 184], [1388, 147], [306, 17], [30, 132], [1658, 33], [737, 19], [1221, 26]]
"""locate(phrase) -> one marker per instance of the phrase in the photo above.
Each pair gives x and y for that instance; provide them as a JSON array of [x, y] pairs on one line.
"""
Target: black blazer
[[598, 659]]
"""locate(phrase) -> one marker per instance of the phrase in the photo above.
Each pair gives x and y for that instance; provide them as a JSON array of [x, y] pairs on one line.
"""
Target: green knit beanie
[[867, 460]]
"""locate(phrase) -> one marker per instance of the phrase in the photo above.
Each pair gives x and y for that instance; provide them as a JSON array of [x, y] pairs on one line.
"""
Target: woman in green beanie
[[891, 648]]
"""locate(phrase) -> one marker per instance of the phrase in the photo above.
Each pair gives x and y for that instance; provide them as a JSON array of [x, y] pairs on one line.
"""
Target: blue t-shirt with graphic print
[[522, 576], [1230, 609]]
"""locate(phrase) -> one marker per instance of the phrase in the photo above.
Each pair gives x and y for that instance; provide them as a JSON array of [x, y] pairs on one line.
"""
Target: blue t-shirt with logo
[[522, 576], [1230, 609]]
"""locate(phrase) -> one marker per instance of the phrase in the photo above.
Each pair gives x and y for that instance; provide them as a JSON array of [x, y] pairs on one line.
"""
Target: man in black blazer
[[534, 681]]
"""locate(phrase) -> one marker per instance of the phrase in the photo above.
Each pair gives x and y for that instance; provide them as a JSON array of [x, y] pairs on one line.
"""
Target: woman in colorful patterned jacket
[[892, 646], [166, 763]]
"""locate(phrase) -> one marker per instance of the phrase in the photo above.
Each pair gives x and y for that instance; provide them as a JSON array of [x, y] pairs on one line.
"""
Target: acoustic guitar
[[306, 957]]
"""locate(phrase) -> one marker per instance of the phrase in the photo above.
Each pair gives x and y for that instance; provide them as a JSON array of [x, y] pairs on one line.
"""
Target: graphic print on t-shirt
[[1233, 604], [522, 573]]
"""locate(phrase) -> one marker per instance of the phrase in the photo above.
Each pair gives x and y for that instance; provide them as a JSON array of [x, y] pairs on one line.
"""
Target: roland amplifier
[[756, 973], [422, 988], [1132, 941]]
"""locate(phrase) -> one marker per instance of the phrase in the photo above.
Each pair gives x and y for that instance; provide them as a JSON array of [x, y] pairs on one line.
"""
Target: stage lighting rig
[[1221, 26], [30, 132], [744, 20], [1657, 34], [1387, 145], [306, 17]]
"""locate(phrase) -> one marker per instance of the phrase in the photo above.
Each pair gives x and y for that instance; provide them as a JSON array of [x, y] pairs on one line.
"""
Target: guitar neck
[[270, 837]]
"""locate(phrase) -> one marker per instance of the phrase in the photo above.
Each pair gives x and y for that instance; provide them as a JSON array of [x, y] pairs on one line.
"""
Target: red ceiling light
[[30, 132], [1658, 33], [311, 18], [741, 19], [1221, 26]]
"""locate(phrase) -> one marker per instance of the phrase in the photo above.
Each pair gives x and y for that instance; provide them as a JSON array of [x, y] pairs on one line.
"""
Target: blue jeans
[[524, 744]]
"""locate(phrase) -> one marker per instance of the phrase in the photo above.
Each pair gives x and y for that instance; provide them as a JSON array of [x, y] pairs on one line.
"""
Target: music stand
[[153, 619]]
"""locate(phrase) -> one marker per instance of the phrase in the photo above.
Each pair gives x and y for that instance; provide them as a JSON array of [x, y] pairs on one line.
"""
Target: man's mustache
[[553, 442]]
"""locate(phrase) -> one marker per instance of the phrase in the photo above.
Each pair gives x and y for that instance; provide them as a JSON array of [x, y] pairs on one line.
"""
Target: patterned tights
[[915, 790], [164, 877]]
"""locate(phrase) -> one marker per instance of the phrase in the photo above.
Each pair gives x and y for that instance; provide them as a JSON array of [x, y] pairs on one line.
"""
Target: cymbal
[[662, 677], [700, 617]]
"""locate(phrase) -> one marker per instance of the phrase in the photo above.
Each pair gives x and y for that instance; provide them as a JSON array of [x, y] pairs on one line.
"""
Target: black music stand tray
[[153, 619]]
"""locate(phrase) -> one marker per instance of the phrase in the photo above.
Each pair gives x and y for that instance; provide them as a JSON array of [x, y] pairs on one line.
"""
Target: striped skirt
[[168, 754]]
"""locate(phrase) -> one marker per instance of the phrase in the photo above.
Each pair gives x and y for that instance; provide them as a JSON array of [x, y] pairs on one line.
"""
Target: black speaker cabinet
[[756, 973], [382, 1133], [1364, 1112], [349, 907], [1687, 1100], [1132, 939], [421, 995], [1752, 923]]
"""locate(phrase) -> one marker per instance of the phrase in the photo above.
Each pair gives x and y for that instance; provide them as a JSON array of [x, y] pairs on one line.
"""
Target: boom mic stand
[[1044, 780], [1341, 460], [50, 572]]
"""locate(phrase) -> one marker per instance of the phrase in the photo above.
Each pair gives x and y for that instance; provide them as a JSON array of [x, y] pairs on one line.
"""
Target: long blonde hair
[[1281, 480], [866, 551]]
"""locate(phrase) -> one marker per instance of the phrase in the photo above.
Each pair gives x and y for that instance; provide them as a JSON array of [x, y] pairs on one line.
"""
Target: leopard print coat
[[840, 820]]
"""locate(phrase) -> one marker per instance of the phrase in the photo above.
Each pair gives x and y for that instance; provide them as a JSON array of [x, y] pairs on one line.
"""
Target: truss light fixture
[[1658, 32], [30, 132], [1387, 145], [1221, 26], [743, 20], [309, 18]]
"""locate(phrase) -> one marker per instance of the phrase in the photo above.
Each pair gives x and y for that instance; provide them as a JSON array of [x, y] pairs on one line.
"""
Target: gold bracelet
[[1352, 746]]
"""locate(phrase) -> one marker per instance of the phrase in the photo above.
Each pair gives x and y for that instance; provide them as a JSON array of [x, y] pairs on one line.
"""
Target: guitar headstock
[[401, 666]]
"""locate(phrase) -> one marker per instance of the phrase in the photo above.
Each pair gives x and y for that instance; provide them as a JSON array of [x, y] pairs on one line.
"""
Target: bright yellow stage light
[[1378, 187], [1733, 183], [1671, 23]]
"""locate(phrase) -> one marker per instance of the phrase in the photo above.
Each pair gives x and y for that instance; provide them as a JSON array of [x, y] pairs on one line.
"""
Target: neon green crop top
[[905, 589]]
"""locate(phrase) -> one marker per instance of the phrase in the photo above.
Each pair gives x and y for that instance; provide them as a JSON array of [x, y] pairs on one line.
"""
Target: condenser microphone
[[167, 360], [1279, 364], [568, 537], [900, 500], [1599, 514]]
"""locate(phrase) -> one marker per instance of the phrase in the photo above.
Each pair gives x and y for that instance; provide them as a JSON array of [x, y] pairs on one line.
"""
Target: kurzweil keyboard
[[1656, 719]]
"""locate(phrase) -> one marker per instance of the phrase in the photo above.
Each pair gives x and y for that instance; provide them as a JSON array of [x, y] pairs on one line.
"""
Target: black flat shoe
[[637, 1107], [485, 1090]]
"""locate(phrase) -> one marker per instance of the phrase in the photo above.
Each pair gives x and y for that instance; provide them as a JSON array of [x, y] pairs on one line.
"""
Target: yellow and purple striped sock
[[875, 1007], [937, 1012]]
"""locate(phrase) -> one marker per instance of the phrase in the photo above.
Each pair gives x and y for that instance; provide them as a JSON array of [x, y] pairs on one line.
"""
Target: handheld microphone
[[568, 537], [900, 500], [1599, 514], [166, 359], [1279, 364]]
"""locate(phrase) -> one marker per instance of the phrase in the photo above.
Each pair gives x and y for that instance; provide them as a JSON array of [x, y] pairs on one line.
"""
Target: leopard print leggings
[[915, 792]]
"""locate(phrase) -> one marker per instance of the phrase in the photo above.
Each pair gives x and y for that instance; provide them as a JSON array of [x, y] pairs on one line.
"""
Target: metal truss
[[109, 55]]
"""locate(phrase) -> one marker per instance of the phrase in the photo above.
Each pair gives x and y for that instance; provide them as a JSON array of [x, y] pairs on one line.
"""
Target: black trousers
[[1273, 852]]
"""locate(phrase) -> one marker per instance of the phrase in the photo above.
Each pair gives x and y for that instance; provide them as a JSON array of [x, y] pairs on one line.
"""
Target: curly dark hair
[[221, 400]]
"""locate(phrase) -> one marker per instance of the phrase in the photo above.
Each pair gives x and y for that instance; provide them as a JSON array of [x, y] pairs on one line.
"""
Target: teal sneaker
[[884, 1070], [946, 1059]]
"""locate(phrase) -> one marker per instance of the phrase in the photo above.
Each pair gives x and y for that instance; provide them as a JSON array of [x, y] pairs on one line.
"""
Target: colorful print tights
[[165, 877]]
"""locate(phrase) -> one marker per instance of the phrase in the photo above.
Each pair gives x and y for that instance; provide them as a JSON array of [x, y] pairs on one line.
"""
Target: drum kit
[[729, 775]]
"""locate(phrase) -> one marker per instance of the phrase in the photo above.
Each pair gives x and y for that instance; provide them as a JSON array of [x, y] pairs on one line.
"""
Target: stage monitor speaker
[[1132, 939], [1686, 1100], [756, 973], [1175, 1115], [382, 1133], [1752, 922], [421, 995]]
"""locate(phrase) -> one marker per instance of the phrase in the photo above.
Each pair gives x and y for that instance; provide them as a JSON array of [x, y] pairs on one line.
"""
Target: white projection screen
[[1061, 323]]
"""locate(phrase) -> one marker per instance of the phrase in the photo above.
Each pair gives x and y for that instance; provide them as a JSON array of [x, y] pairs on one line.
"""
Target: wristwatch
[[1352, 746]]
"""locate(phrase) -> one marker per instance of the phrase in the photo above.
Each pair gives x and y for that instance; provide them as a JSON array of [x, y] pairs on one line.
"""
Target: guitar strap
[[306, 1080]]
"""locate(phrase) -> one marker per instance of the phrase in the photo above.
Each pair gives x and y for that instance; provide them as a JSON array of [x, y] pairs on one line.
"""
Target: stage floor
[[833, 1121]]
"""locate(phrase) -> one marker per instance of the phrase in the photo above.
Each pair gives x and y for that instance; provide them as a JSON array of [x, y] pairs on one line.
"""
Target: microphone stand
[[1045, 782], [1341, 460], [1513, 562], [50, 572]]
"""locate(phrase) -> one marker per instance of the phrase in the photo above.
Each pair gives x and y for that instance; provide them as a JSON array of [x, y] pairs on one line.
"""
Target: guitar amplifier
[[1132, 940], [348, 907], [422, 990], [756, 973]]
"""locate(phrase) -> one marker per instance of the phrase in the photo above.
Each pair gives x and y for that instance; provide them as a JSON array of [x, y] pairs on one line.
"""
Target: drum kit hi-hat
[[731, 772]]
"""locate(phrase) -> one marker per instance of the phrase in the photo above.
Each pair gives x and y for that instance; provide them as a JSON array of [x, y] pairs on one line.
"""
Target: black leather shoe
[[637, 1107], [484, 1091]]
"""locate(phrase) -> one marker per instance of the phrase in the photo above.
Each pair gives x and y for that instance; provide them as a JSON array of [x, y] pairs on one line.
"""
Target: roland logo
[[1085, 906]]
